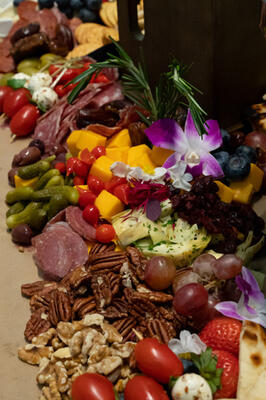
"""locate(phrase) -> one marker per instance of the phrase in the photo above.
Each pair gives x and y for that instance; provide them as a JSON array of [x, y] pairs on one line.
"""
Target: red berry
[[91, 214], [61, 167], [80, 168], [87, 157], [222, 333], [86, 197], [95, 184], [78, 181], [98, 151], [105, 233], [229, 378]]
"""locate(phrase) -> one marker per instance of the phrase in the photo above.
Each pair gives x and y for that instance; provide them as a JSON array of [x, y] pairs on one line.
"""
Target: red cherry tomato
[[70, 165], [91, 214], [95, 184], [100, 78], [80, 168], [122, 192], [61, 167], [92, 387], [15, 100], [98, 151], [144, 388], [69, 74], [115, 181], [77, 180], [53, 68], [86, 197], [70, 87], [4, 91], [105, 233], [87, 157], [157, 360], [24, 121], [61, 90], [86, 66]]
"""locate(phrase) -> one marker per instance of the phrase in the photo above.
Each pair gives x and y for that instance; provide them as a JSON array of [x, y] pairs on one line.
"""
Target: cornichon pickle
[[57, 203], [71, 194], [24, 217], [19, 194], [55, 181], [44, 179], [16, 208], [38, 168], [38, 219]]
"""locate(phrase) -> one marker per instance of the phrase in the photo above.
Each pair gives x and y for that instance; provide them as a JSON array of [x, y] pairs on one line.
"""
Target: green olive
[[4, 78], [28, 63], [49, 58], [30, 70]]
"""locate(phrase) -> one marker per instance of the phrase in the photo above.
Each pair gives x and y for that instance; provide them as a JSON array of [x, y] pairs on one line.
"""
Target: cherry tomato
[[69, 74], [53, 68], [100, 78], [142, 387], [105, 233], [61, 167], [4, 91], [70, 165], [15, 100], [24, 121], [95, 184], [122, 192], [77, 180], [87, 157], [80, 168], [86, 66], [60, 90], [71, 86], [91, 214], [157, 360], [92, 387], [115, 181], [99, 151], [86, 197]]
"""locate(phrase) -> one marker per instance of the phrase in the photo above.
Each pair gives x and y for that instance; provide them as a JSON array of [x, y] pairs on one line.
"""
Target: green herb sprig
[[172, 90]]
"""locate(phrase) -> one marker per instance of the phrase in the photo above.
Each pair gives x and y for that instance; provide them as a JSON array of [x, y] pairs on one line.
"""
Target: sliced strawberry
[[229, 378]]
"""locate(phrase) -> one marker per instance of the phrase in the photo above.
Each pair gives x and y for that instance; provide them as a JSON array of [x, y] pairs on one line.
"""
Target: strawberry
[[229, 377], [222, 333]]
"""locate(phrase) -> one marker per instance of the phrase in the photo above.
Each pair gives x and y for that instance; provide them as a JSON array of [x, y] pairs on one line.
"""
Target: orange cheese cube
[[19, 182], [108, 204], [72, 142], [136, 152], [120, 139], [101, 168], [89, 140], [118, 153], [146, 163], [160, 155], [225, 193]]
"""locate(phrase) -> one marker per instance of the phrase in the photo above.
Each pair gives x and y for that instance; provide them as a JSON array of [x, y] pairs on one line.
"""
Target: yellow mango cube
[[160, 155], [118, 153], [136, 152], [120, 139], [25, 182], [72, 142], [101, 168], [108, 204], [225, 193], [146, 163], [89, 140], [243, 194]]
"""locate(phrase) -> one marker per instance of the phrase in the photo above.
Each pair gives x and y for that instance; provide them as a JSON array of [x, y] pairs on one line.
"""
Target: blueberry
[[45, 3], [17, 2], [222, 157], [76, 4], [93, 5], [189, 366], [69, 13], [86, 15], [226, 138], [247, 151], [238, 167], [62, 4]]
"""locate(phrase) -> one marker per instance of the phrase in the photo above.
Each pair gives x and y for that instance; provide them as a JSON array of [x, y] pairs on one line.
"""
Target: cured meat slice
[[111, 93], [78, 224], [27, 10], [59, 250], [59, 217]]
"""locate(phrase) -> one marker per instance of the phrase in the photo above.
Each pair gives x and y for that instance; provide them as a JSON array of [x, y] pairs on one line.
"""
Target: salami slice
[[27, 10], [59, 250], [78, 224]]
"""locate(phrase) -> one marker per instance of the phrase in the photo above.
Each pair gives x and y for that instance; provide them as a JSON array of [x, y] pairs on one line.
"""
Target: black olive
[[22, 234], [25, 31], [27, 156], [11, 176], [39, 144]]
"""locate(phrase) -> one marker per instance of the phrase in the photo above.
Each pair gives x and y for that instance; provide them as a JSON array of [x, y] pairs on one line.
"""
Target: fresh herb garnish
[[16, 83], [172, 90]]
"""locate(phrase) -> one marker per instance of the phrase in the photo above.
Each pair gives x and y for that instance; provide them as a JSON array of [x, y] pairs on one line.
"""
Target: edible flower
[[188, 145], [251, 305], [187, 343], [123, 170]]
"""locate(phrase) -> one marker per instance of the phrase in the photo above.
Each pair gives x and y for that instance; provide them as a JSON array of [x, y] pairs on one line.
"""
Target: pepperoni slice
[[27, 10]]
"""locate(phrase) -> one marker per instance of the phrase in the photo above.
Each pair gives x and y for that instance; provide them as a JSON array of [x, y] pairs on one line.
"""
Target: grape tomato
[[144, 388], [95, 184], [91, 214], [80, 168], [122, 192], [115, 181], [86, 197], [4, 91], [70, 165], [24, 121], [92, 387], [98, 151], [87, 157], [105, 233], [15, 100]]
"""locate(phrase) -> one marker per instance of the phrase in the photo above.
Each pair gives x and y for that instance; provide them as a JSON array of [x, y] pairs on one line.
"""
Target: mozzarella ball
[[45, 98], [190, 387], [39, 80]]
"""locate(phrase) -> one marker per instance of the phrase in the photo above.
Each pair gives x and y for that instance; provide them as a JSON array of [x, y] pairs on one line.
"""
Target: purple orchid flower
[[251, 305], [188, 145]]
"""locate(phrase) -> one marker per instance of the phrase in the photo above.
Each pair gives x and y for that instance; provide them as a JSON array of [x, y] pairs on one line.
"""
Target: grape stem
[[213, 284]]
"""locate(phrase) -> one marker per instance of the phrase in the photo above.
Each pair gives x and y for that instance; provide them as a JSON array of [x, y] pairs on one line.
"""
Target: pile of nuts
[[111, 284], [73, 348]]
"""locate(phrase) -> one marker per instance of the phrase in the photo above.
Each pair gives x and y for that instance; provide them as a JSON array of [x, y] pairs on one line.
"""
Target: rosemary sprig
[[172, 89]]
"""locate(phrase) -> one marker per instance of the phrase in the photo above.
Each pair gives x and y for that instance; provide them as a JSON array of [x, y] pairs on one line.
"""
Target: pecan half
[[38, 323], [118, 310], [160, 329], [101, 288], [79, 276], [125, 326], [114, 280], [59, 308], [137, 262], [37, 302], [102, 248], [83, 306], [111, 260], [39, 287]]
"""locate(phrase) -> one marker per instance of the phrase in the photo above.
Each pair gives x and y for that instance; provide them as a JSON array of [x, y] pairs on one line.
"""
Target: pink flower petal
[[229, 309], [195, 170], [210, 166], [214, 138], [171, 161], [166, 133]]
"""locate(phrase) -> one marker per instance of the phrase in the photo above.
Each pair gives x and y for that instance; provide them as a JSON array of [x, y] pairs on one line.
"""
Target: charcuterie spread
[[138, 211]]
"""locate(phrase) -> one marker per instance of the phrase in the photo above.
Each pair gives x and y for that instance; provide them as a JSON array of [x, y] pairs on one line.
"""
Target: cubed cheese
[[72, 142], [25, 182], [160, 155], [146, 163], [243, 194], [120, 139], [225, 193], [101, 168], [118, 153], [108, 204], [136, 152], [89, 140]]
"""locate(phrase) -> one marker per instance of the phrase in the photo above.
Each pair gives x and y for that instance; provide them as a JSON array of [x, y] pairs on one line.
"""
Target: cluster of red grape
[[192, 297]]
